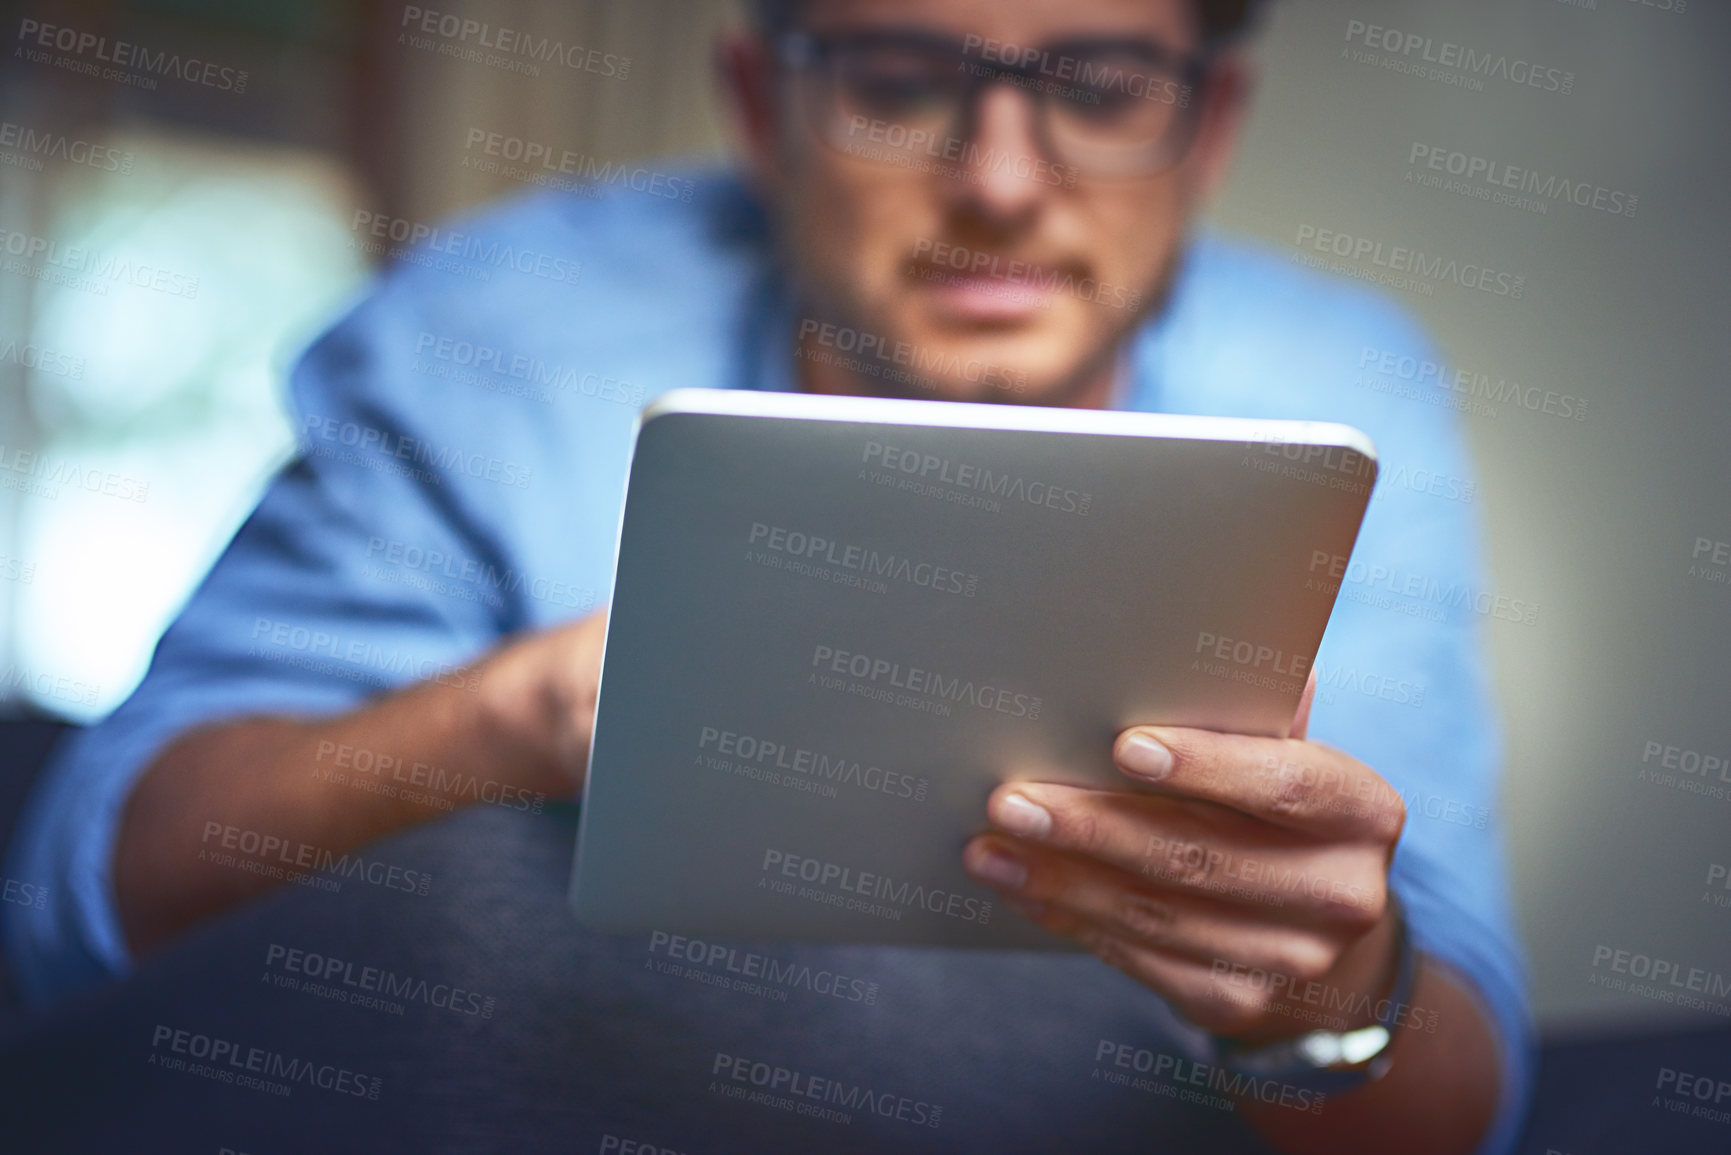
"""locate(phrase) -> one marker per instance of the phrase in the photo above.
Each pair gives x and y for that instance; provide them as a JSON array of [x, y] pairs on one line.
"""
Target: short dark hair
[[1221, 19]]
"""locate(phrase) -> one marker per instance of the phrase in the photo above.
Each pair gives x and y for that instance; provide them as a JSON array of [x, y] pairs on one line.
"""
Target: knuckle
[[1109, 949], [1195, 866], [1360, 906], [1291, 795], [1059, 920], [1375, 907], [1049, 915], [1303, 959], [1381, 814], [1393, 817], [1045, 881], [1230, 999], [1217, 1014], [1259, 1009], [1230, 1012], [1147, 918], [1081, 827]]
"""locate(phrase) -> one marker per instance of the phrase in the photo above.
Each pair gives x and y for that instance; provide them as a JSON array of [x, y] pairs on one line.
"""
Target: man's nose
[[1002, 158]]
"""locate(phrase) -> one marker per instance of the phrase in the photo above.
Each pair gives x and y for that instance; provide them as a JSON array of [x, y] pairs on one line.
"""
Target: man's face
[[996, 269]]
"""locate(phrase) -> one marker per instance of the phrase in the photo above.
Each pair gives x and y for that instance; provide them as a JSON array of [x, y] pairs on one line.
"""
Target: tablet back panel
[[838, 624]]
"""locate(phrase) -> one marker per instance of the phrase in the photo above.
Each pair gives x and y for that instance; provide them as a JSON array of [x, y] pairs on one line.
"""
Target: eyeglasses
[[1103, 107]]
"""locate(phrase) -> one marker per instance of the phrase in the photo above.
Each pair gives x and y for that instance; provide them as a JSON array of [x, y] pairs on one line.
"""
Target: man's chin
[[1018, 369], [1009, 388]]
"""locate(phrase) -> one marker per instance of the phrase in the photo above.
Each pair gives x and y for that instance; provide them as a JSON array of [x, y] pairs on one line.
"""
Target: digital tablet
[[839, 623]]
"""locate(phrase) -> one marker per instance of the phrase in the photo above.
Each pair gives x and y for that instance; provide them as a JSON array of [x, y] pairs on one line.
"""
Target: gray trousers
[[479, 1017]]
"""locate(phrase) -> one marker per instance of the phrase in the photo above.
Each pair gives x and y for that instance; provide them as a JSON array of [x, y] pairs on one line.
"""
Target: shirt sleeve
[[1403, 685], [302, 615]]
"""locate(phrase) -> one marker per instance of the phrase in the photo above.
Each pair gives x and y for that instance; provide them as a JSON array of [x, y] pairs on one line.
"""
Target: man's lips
[[1006, 290]]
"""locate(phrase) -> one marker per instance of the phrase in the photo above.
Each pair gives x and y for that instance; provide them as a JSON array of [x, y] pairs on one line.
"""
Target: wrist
[[1344, 999], [1368, 969], [1352, 1049]]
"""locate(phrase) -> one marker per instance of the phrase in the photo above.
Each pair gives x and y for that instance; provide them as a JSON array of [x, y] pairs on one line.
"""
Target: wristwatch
[[1330, 1062]]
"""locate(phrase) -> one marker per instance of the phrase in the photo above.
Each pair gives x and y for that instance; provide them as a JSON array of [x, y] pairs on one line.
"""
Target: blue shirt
[[465, 431]]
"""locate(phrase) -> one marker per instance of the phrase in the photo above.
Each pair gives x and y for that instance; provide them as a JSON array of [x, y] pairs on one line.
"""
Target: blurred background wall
[[169, 243]]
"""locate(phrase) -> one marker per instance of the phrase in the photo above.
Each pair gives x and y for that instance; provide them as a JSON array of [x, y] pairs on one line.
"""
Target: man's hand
[[539, 693], [519, 720], [1251, 858]]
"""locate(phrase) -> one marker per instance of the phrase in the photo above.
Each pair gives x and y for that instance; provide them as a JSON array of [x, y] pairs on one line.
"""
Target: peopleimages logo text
[[1392, 260], [983, 479], [916, 680], [473, 247], [1547, 187], [878, 887], [80, 268], [460, 30], [125, 54], [863, 559], [380, 981], [719, 958], [227, 1059], [1091, 77], [303, 856], [377, 445], [798, 1091], [1446, 54], [36, 143], [827, 767]]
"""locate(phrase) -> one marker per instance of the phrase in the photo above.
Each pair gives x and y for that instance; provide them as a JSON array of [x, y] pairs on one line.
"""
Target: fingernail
[[999, 869], [1144, 757], [1016, 814]]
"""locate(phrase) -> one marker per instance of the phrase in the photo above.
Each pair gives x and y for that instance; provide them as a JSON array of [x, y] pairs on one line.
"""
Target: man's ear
[[1225, 103], [746, 74]]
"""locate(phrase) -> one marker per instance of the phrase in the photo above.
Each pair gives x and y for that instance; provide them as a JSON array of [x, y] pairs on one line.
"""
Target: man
[[1003, 194]]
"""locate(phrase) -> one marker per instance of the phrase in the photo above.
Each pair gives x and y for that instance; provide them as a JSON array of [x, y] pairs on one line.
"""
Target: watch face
[[1350, 1052], [1357, 1047]]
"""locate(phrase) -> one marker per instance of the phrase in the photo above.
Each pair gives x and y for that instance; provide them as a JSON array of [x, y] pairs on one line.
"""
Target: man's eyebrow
[[975, 41], [1150, 47], [917, 33]]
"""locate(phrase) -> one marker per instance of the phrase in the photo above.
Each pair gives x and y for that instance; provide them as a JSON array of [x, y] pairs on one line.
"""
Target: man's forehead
[[1025, 22]]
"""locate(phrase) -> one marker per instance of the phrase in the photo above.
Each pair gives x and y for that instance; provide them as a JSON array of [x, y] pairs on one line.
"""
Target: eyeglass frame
[[801, 51]]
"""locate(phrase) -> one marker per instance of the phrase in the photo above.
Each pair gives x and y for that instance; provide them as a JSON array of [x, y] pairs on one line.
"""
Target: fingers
[[1253, 856], [1202, 990], [1155, 917], [1224, 966], [1302, 786], [1187, 848]]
